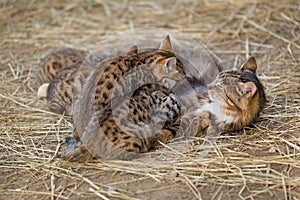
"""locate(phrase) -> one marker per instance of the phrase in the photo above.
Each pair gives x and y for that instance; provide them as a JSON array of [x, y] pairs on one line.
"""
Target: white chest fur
[[216, 109]]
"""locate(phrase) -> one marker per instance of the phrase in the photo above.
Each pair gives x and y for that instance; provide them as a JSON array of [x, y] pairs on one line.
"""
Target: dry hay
[[259, 162]]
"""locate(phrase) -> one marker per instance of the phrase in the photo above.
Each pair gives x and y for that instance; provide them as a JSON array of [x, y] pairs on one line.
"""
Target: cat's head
[[239, 93]]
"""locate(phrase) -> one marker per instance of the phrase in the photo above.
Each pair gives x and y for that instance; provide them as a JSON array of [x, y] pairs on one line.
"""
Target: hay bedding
[[259, 162]]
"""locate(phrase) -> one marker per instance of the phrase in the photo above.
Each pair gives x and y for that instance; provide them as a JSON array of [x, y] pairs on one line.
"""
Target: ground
[[259, 162]]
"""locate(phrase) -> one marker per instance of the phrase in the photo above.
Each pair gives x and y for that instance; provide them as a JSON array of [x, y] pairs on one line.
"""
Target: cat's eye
[[229, 101]]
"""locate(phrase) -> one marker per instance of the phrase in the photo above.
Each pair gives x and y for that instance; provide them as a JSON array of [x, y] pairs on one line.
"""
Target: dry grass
[[260, 162]]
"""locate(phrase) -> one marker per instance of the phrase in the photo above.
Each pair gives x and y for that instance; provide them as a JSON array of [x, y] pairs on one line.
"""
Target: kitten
[[229, 103], [121, 78]]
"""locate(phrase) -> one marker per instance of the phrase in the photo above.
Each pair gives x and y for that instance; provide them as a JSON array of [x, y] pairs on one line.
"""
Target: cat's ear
[[42, 91], [132, 50], [249, 89], [168, 83], [249, 65], [166, 44], [170, 65]]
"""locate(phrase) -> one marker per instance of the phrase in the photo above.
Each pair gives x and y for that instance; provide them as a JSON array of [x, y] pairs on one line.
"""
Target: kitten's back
[[55, 60]]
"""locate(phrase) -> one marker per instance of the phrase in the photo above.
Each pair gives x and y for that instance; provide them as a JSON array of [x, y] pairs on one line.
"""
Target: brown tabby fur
[[53, 62], [60, 90]]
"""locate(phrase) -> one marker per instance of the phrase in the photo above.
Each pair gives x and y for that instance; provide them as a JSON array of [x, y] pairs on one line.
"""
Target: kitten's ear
[[166, 44], [168, 83], [249, 65], [132, 50], [42, 91], [249, 89], [170, 65]]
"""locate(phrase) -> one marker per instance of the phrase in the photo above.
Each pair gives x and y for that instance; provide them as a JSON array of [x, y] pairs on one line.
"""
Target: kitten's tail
[[42, 91]]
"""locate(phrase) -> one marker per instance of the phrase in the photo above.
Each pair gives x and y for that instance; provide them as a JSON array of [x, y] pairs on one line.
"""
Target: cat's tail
[[42, 91]]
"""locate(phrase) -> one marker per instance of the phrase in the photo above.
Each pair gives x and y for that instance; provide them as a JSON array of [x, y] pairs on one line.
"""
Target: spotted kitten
[[114, 83]]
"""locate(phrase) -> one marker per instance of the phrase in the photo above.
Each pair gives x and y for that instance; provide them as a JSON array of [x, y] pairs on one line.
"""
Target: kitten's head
[[167, 65], [239, 93]]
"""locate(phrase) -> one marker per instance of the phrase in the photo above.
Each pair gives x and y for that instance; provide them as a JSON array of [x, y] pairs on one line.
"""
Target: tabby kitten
[[229, 103], [53, 62], [108, 84]]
